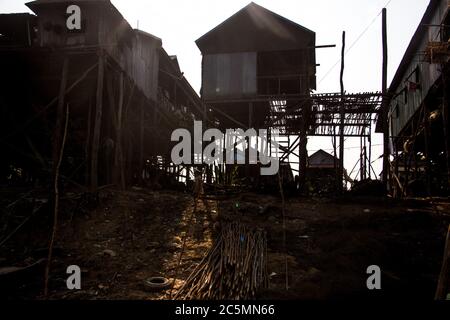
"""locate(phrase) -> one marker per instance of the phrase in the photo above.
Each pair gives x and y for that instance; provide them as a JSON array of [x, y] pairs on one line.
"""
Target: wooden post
[[60, 113], [56, 202], [303, 153], [397, 165], [442, 287], [369, 160], [365, 159], [57, 156], [88, 141], [118, 157], [141, 141], [445, 124], [336, 172], [361, 160], [249, 140], [98, 122], [427, 151], [385, 106], [342, 119]]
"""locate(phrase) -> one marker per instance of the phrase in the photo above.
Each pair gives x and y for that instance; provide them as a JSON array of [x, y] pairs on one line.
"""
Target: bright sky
[[180, 22]]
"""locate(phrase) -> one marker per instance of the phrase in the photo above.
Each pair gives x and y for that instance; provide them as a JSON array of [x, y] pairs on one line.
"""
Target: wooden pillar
[[88, 141], [98, 122], [442, 288], [406, 168], [118, 154], [445, 124], [427, 151], [369, 160], [141, 140], [365, 159], [57, 135], [342, 119], [336, 173], [209, 169], [303, 153], [385, 106], [396, 169], [249, 141]]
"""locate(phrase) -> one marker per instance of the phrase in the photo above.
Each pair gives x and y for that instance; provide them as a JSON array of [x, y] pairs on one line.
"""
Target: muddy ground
[[131, 236]]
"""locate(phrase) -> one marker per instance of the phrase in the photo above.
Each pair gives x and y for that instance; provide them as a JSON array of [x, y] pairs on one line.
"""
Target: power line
[[354, 42]]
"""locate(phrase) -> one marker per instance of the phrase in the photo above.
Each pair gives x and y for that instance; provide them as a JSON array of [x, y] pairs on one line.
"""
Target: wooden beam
[[97, 122]]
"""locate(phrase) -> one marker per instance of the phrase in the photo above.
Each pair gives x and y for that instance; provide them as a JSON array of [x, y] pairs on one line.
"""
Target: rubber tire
[[157, 283]]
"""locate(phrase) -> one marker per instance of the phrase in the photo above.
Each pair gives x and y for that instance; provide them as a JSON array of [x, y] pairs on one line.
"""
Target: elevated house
[[252, 54], [257, 66], [418, 108], [124, 94]]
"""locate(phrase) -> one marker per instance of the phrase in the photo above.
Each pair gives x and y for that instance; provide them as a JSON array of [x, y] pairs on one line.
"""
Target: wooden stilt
[[442, 287], [342, 120], [58, 149], [97, 123], [88, 142], [385, 105], [118, 157], [57, 135], [141, 141]]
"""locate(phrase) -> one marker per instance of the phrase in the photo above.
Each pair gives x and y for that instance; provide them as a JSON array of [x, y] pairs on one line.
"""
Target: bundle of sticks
[[235, 268]]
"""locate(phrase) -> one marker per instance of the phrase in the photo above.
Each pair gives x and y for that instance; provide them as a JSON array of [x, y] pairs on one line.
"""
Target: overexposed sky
[[180, 22]]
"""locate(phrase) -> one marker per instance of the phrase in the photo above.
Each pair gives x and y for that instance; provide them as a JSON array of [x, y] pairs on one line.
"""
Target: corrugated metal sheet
[[404, 106], [229, 75]]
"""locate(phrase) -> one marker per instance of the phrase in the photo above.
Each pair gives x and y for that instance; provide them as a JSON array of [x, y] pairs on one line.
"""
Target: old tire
[[157, 283]]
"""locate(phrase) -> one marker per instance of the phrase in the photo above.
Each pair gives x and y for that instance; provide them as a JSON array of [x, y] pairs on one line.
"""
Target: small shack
[[321, 172]]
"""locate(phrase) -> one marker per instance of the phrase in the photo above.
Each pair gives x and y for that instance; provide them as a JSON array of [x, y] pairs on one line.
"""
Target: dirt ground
[[131, 236]]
